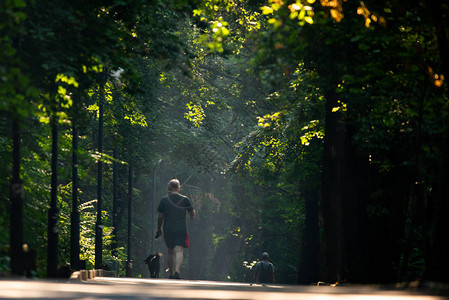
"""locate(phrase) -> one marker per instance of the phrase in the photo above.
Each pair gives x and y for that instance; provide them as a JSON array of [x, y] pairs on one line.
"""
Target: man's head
[[174, 185], [265, 255]]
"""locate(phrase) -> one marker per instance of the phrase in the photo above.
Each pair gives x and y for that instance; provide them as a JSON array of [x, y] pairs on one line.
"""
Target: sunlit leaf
[[266, 10]]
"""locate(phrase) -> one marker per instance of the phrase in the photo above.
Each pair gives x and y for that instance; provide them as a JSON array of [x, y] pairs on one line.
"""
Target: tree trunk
[[437, 269], [53, 213], [75, 215], [99, 223], [310, 262], [114, 203], [438, 266], [332, 183], [129, 262], [153, 211], [356, 193], [16, 198]]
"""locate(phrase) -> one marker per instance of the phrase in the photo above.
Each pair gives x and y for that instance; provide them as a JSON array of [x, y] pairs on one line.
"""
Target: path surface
[[132, 288]]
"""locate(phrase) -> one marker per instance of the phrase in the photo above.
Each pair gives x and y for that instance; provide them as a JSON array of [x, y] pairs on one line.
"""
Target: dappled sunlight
[[335, 8], [436, 79]]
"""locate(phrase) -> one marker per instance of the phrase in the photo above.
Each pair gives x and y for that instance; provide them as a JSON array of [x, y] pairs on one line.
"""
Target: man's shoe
[[177, 275]]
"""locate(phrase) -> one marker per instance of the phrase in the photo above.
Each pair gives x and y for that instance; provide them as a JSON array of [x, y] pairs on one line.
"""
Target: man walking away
[[264, 270], [172, 214]]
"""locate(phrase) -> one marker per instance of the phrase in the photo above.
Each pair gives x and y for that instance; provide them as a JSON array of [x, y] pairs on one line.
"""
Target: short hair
[[173, 185], [265, 255]]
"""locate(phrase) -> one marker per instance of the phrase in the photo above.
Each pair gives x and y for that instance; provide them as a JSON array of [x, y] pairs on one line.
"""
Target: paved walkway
[[133, 288]]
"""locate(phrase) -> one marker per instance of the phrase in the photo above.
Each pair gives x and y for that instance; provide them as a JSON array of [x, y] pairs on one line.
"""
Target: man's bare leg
[[171, 261], [179, 257]]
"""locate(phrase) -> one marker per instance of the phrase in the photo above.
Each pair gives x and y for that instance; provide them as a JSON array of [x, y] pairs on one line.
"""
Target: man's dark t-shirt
[[174, 208]]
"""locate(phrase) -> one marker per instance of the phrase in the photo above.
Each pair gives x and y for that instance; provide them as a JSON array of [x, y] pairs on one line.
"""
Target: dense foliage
[[316, 131]]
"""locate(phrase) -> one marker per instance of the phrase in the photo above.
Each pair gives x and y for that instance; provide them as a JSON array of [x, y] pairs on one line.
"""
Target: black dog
[[153, 262]]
